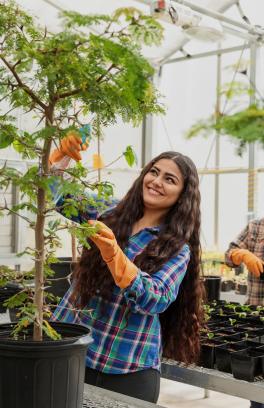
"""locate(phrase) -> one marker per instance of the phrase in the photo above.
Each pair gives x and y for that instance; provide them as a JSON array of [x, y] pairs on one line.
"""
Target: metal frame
[[95, 397], [213, 380]]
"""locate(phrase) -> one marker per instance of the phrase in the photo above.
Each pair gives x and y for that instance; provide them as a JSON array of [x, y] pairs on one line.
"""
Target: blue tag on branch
[[86, 133]]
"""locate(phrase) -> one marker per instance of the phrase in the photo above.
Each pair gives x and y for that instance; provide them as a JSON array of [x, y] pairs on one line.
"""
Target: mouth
[[154, 192]]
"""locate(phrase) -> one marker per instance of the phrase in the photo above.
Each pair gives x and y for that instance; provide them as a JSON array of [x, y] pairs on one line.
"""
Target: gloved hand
[[121, 268], [70, 146], [252, 262]]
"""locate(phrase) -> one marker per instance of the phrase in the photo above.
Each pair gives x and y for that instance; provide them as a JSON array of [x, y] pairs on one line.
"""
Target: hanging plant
[[245, 125]]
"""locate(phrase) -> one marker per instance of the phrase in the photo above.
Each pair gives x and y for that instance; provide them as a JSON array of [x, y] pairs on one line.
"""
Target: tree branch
[[23, 86], [107, 72], [67, 94]]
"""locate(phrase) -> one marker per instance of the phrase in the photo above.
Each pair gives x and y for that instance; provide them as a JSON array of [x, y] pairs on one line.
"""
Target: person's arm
[[70, 148], [92, 209], [152, 294], [240, 242], [238, 253], [145, 293], [66, 311]]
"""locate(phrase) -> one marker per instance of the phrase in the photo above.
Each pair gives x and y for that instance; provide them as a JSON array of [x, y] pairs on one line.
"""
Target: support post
[[217, 152], [252, 170]]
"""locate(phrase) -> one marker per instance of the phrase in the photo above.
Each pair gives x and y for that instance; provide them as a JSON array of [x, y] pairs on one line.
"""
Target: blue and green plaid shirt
[[126, 335]]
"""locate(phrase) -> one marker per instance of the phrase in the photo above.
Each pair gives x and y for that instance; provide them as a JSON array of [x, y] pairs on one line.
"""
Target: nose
[[157, 181]]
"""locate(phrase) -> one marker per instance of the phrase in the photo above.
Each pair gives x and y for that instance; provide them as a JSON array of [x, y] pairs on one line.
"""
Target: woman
[[140, 280]]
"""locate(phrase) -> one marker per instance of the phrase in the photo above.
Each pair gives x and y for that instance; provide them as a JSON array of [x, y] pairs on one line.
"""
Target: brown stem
[[39, 264], [67, 94], [107, 72], [39, 237]]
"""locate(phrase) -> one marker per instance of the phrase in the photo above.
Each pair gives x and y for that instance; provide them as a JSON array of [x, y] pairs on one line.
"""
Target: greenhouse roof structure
[[180, 18]]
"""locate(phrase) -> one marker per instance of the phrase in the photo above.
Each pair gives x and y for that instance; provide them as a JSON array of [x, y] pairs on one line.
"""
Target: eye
[[170, 180], [153, 171]]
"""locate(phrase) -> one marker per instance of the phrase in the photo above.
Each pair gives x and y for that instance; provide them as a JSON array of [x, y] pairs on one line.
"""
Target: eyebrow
[[167, 174]]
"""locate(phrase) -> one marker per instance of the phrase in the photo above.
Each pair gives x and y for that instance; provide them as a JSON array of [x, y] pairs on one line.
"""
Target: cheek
[[175, 194], [148, 177]]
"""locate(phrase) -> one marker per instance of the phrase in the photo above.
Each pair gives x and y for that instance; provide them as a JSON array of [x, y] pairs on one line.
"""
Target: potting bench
[[215, 380], [95, 397]]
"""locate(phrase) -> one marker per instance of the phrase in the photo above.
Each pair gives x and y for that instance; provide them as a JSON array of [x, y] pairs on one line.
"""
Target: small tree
[[63, 79]]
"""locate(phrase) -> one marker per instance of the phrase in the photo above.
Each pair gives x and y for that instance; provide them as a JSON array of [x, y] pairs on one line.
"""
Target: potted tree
[[64, 81]]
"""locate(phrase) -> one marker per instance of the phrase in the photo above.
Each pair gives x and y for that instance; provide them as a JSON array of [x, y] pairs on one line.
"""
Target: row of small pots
[[244, 359], [233, 341]]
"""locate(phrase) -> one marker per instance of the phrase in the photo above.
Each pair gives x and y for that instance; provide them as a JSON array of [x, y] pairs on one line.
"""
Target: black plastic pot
[[43, 374], [247, 364], [242, 288], [223, 355], [207, 354], [227, 285], [62, 271], [212, 286]]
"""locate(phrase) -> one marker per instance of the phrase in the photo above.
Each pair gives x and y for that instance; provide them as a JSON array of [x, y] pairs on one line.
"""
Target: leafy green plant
[[232, 321], [231, 306], [210, 335], [65, 81], [207, 312], [244, 126], [242, 315], [245, 308]]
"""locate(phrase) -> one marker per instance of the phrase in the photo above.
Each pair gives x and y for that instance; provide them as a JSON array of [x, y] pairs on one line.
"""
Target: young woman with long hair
[[140, 279]]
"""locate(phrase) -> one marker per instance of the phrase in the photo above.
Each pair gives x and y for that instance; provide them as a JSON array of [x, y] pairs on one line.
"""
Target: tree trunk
[[39, 237], [39, 265]]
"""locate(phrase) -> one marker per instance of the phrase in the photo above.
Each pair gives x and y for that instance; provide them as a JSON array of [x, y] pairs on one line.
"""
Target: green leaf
[[16, 300], [130, 156], [49, 331], [5, 140]]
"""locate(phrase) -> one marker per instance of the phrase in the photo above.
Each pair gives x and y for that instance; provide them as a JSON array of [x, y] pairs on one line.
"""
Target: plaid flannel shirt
[[251, 238], [126, 335]]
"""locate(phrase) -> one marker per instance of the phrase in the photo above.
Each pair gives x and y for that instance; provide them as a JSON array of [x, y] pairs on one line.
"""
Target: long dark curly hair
[[181, 322]]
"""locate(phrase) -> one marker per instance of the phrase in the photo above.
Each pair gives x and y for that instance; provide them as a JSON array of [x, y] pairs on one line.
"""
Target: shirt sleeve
[[240, 242], [93, 208], [66, 312], [152, 294]]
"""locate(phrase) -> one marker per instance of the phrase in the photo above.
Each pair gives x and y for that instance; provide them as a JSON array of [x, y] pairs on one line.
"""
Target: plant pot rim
[[73, 334]]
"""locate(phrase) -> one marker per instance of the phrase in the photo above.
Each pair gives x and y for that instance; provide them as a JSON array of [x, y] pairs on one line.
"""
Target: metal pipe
[[208, 53], [220, 17], [243, 35], [235, 170], [217, 152]]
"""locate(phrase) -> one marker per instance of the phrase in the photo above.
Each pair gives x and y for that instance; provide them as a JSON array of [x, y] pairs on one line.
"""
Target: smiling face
[[162, 185]]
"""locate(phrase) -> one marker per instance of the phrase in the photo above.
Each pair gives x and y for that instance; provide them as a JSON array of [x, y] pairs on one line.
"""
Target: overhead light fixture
[[194, 25], [208, 30]]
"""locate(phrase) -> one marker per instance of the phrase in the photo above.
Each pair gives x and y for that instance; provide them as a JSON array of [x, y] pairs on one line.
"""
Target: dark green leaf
[[130, 156]]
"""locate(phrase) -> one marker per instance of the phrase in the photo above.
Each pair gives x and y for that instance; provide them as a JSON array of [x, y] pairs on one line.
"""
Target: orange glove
[[121, 268], [252, 262], [70, 146]]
